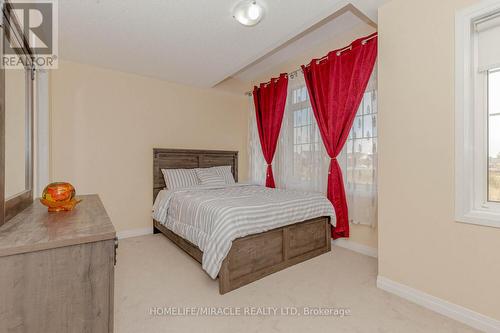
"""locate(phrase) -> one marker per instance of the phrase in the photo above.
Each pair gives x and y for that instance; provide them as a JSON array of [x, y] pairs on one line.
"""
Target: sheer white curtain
[[301, 161], [257, 164], [358, 160]]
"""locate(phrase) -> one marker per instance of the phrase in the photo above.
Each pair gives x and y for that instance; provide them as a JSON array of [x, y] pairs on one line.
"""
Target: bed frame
[[254, 256]]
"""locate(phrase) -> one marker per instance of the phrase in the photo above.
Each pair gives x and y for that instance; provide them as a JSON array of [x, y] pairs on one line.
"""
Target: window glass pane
[[303, 117], [306, 132], [361, 146], [494, 136], [348, 145], [304, 93], [299, 95], [494, 159], [367, 105], [306, 116], [306, 141], [374, 125], [297, 152], [357, 128], [301, 135], [374, 102], [368, 126], [362, 163], [300, 121], [317, 134], [301, 162]]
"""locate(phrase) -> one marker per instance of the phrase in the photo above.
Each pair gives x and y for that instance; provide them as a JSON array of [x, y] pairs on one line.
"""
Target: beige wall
[[420, 244], [360, 234], [104, 125]]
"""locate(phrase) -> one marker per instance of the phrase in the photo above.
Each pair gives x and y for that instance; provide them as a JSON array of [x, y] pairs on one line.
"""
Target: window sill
[[480, 217]]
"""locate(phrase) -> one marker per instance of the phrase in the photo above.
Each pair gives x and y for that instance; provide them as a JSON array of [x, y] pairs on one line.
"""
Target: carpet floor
[[159, 288]]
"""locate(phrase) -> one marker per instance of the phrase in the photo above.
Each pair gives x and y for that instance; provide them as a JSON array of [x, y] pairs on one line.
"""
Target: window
[[477, 104], [301, 161], [306, 138], [359, 161], [361, 147]]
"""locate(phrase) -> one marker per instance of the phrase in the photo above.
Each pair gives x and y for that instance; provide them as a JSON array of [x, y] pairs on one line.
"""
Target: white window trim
[[471, 204]]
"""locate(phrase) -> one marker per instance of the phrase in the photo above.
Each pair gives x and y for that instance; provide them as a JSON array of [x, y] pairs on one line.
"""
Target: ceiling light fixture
[[248, 12]]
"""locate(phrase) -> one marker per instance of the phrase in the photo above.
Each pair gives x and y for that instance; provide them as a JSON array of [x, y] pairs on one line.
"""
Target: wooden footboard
[[256, 256]]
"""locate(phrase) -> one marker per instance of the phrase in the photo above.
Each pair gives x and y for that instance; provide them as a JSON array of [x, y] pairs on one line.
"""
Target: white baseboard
[[134, 232], [356, 247], [454, 311]]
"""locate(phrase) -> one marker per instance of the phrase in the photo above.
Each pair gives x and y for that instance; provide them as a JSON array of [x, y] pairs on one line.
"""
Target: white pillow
[[179, 178], [225, 172], [209, 177]]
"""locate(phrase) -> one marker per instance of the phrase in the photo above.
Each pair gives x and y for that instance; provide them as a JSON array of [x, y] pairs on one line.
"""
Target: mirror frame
[[11, 207]]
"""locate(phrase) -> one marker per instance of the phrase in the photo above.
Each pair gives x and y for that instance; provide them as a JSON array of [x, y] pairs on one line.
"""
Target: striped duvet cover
[[212, 217]]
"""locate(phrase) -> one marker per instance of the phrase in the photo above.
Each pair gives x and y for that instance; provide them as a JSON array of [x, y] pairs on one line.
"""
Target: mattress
[[212, 217]]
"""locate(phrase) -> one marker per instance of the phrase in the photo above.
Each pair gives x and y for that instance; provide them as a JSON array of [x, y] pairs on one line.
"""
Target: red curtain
[[336, 86], [269, 99]]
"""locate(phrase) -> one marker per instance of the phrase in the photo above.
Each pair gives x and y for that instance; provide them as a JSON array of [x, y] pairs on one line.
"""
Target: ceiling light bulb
[[253, 11], [248, 12]]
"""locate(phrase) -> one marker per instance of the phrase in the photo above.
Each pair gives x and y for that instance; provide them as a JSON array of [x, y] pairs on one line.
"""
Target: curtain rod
[[294, 73]]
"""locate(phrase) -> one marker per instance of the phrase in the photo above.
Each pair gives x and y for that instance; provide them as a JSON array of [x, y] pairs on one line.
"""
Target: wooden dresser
[[57, 270]]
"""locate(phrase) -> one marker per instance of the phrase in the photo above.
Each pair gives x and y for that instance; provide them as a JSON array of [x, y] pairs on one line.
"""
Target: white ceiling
[[185, 41], [335, 27]]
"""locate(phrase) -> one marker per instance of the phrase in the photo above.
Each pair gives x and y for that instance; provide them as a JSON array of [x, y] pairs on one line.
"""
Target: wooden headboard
[[189, 159]]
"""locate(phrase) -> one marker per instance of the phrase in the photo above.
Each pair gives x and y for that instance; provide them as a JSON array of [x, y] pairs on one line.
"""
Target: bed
[[249, 257]]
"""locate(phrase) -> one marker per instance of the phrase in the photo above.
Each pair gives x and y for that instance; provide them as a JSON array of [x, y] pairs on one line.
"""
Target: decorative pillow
[[178, 178], [209, 177], [225, 172]]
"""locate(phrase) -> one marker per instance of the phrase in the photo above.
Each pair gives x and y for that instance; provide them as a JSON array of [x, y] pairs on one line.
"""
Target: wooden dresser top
[[35, 229]]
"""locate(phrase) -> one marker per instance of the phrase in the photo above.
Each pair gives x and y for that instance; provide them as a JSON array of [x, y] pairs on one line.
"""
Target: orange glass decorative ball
[[59, 197]]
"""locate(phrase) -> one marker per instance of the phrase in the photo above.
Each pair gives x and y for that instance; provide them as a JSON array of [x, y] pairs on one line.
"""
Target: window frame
[[471, 123], [489, 117]]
